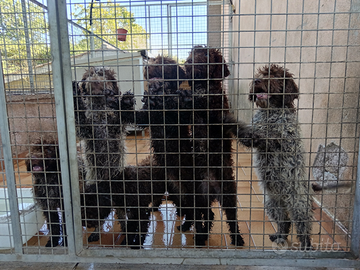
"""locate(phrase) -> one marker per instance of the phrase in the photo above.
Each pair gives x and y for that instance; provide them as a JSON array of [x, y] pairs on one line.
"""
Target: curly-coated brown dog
[[97, 107], [128, 189], [214, 180], [43, 161], [168, 108], [129, 193], [97, 119], [165, 113], [279, 160], [166, 69], [132, 190]]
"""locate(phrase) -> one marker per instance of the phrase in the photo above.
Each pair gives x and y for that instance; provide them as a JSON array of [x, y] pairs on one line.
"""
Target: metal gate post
[[355, 232], [62, 79], [9, 167]]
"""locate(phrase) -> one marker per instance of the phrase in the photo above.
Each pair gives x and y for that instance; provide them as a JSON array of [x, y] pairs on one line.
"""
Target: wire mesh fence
[[225, 131]]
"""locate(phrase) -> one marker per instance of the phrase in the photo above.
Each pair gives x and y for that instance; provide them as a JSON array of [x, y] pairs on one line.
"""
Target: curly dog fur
[[211, 141], [167, 106], [174, 145], [279, 160], [97, 120], [129, 192], [165, 68], [138, 186], [98, 126], [165, 112], [43, 161], [128, 189]]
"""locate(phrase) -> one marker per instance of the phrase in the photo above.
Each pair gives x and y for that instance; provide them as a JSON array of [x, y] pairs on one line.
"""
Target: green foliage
[[13, 36], [107, 18]]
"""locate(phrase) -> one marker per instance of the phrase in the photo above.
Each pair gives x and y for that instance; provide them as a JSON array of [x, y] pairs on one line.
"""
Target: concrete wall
[[29, 117], [214, 25], [127, 66], [323, 52]]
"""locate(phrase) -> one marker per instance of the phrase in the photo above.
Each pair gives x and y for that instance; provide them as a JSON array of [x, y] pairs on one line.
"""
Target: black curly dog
[[188, 140], [165, 112], [43, 161], [211, 142]]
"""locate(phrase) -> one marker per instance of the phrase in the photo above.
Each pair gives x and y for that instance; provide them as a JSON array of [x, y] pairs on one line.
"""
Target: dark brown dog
[[97, 107], [129, 190], [129, 193], [167, 106], [165, 112], [214, 180], [165, 69], [44, 164]]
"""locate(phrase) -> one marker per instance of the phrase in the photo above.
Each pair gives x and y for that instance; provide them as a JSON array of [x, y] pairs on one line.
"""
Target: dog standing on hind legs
[[164, 112], [101, 118], [279, 160], [214, 180], [98, 107]]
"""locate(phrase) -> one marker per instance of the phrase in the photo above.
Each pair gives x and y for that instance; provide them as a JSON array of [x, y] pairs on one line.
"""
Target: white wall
[[128, 67]]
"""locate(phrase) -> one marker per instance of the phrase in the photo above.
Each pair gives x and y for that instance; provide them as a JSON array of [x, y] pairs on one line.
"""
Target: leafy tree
[[23, 34], [107, 18]]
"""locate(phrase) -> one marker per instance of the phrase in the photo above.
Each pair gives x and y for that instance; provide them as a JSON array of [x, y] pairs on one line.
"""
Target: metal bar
[[65, 119], [168, 10], [92, 44], [9, 167], [230, 60], [355, 232], [28, 50], [149, 20], [200, 257], [78, 26]]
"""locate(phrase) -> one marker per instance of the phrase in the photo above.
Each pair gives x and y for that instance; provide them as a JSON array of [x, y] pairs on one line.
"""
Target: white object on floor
[[31, 217]]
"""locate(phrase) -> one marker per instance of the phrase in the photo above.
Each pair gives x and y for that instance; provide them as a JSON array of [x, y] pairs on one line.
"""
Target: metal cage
[[119, 165]]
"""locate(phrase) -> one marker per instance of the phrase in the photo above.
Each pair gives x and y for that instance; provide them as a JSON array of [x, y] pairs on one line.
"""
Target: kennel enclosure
[[48, 44]]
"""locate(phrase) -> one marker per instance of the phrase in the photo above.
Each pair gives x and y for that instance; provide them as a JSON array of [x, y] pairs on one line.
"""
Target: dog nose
[[257, 81]]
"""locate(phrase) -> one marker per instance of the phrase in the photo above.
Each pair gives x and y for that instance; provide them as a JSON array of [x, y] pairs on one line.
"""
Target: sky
[[186, 28]]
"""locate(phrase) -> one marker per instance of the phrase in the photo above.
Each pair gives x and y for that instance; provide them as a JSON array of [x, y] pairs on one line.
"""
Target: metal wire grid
[[311, 138], [276, 40], [24, 31]]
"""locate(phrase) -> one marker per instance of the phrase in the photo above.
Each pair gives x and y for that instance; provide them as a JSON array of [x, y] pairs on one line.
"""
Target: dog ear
[[291, 90], [251, 94], [181, 75], [112, 77], [221, 71], [82, 87], [27, 162], [75, 87]]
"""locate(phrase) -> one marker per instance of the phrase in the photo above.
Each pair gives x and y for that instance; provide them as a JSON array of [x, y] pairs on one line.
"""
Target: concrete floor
[[254, 225], [92, 266]]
